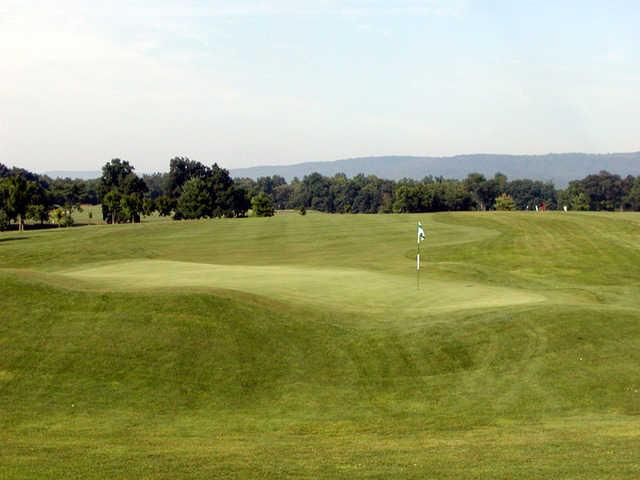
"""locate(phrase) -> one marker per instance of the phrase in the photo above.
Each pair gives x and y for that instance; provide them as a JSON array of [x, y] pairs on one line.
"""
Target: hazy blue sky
[[246, 82]]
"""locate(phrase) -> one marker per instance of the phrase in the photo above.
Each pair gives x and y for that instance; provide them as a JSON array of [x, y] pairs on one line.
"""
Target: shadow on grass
[[12, 239], [46, 226], [31, 226]]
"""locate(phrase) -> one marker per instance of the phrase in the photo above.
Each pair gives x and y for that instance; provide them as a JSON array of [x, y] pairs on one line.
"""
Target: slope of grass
[[300, 347]]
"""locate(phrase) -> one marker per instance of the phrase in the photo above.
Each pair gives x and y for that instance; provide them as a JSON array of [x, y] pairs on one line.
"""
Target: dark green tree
[[317, 192], [131, 207], [479, 188], [269, 184], [240, 202], [604, 191], [407, 198], [122, 192], [19, 194], [528, 193], [111, 206], [165, 205], [262, 205], [220, 189], [281, 195], [632, 198], [194, 201], [5, 221], [181, 170], [148, 207]]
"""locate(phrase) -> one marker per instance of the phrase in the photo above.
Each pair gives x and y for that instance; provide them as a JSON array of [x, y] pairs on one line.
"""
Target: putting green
[[351, 290]]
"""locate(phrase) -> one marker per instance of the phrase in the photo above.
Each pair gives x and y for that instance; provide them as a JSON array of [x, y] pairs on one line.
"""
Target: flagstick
[[418, 266], [420, 233]]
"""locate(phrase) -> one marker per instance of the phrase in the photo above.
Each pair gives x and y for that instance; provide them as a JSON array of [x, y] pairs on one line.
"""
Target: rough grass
[[299, 347]]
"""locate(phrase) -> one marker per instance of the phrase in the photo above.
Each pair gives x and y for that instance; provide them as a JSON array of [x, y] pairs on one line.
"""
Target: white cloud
[[226, 8]]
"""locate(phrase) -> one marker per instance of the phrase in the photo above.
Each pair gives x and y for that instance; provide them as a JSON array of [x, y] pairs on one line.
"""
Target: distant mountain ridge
[[83, 174], [560, 168]]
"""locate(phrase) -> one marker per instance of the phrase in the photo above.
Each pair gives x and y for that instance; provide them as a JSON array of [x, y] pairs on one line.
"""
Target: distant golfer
[[565, 209]]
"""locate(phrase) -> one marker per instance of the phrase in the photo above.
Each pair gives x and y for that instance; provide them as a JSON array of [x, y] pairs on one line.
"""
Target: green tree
[[181, 170], [111, 206], [68, 193], [281, 195], [481, 190], [504, 202], [529, 193], [317, 192], [114, 175], [408, 198], [632, 198], [500, 183], [218, 194], [456, 197], [269, 184], [194, 201], [19, 195], [262, 205], [580, 202], [38, 212], [603, 191], [56, 215], [239, 201], [131, 207], [122, 192], [148, 207], [220, 189], [165, 205], [61, 217], [67, 220], [368, 199], [4, 220]]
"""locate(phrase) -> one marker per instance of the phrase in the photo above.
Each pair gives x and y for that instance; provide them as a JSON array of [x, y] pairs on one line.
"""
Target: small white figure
[[537, 208], [565, 209]]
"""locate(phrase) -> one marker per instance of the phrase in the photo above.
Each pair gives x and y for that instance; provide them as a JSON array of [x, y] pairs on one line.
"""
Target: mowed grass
[[92, 215], [300, 347]]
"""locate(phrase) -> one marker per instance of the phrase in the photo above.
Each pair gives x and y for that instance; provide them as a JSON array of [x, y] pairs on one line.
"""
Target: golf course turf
[[301, 347]]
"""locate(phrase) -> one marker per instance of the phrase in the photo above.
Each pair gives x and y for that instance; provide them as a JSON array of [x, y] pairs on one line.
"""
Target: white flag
[[420, 232]]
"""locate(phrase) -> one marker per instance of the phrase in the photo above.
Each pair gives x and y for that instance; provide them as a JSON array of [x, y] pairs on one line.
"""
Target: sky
[[245, 82]]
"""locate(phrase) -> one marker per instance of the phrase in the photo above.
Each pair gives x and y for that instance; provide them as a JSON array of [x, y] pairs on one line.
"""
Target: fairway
[[302, 347]]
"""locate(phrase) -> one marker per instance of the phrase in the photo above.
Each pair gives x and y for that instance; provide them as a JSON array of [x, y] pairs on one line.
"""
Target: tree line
[[191, 190], [370, 194]]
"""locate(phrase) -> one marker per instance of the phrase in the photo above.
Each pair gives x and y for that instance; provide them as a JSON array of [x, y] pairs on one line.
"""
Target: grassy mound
[[300, 347]]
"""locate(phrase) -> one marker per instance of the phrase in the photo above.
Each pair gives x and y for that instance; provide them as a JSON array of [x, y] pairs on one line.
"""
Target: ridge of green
[[206, 349]]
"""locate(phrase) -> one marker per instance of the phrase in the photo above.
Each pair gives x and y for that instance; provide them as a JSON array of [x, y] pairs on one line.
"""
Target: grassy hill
[[300, 347]]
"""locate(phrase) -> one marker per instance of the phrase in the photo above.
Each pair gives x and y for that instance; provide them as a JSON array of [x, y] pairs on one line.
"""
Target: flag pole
[[418, 265], [420, 232]]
